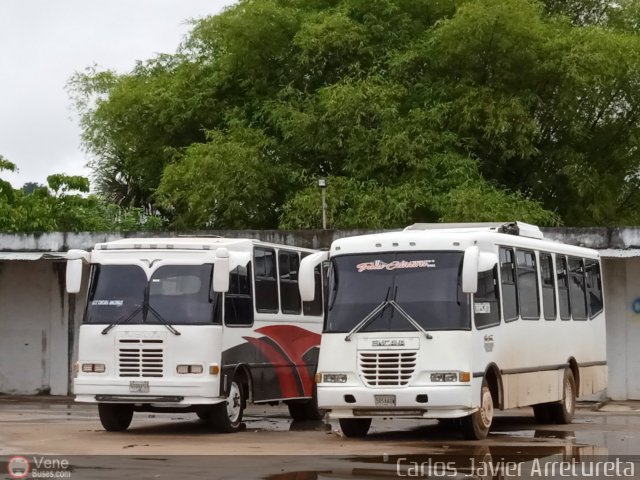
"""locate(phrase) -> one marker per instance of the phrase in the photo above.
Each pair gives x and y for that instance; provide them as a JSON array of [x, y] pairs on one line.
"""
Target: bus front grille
[[140, 357], [386, 369]]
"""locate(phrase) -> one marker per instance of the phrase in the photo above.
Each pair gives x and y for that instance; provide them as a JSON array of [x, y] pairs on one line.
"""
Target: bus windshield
[[425, 284], [180, 294]]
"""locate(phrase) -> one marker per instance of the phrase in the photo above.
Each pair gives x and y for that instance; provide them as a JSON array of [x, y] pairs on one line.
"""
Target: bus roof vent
[[511, 228]]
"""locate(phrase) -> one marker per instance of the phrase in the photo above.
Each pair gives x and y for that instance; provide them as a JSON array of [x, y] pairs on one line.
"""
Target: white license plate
[[139, 387], [385, 400]]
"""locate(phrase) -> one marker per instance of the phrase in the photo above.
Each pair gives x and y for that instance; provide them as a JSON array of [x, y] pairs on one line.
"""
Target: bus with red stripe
[[201, 325]]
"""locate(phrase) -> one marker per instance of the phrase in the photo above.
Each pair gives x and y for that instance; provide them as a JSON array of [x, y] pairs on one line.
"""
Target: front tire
[[115, 417], [226, 417], [478, 424], [355, 427], [563, 412]]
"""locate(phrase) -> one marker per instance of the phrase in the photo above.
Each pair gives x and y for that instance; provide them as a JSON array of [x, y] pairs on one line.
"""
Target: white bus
[[451, 321], [198, 325]]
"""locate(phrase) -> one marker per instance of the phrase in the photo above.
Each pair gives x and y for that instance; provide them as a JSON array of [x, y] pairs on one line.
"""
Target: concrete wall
[[34, 328], [39, 321], [622, 296]]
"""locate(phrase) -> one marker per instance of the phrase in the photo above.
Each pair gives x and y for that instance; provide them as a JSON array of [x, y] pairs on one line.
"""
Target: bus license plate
[[385, 400], [139, 387]]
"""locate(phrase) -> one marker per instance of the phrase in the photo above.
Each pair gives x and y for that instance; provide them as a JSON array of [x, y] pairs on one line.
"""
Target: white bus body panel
[[529, 356], [197, 345], [445, 352]]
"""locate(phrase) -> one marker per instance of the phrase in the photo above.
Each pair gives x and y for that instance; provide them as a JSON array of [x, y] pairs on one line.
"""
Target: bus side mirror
[[474, 263], [74, 276], [75, 259], [220, 280], [470, 270], [307, 277]]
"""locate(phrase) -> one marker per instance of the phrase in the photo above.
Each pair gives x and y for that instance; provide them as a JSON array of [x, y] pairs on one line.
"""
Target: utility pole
[[322, 184]]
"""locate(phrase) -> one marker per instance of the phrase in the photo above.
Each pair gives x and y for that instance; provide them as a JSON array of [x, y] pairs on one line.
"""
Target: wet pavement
[[273, 446]]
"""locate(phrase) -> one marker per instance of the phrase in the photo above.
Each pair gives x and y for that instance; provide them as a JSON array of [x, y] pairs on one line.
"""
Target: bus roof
[[454, 237], [187, 243]]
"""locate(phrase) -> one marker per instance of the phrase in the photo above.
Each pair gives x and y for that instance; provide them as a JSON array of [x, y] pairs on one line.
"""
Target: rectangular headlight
[[444, 377], [93, 368], [184, 369], [334, 378]]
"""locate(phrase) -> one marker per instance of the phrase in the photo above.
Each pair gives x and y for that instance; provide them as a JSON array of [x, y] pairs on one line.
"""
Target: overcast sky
[[43, 42]]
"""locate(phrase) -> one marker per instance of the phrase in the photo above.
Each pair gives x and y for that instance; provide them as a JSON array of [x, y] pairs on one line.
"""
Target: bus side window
[[577, 288], [266, 291], [238, 304], [289, 264], [562, 275], [508, 281], [548, 286], [487, 300], [594, 287], [527, 284]]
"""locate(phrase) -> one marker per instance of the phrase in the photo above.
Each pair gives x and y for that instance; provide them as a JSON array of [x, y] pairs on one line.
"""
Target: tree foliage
[[414, 110], [60, 206]]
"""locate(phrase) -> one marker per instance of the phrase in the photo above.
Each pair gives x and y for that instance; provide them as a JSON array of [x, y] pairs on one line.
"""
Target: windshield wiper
[[366, 320], [145, 308], [122, 319], [148, 308], [410, 319], [163, 320]]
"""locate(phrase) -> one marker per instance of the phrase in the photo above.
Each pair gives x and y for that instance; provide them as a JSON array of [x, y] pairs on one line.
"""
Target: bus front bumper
[[156, 391], [412, 402]]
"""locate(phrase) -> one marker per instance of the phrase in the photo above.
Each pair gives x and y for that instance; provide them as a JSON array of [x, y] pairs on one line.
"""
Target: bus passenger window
[[289, 264], [562, 275], [548, 286], [577, 289], [527, 284], [266, 292], [509, 288], [238, 305], [594, 287], [487, 300]]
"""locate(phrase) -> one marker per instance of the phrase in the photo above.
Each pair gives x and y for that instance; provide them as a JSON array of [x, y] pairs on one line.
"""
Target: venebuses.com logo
[[18, 467], [38, 467]]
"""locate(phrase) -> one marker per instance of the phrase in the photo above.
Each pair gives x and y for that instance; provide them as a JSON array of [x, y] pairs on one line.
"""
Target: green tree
[[414, 110], [64, 205]]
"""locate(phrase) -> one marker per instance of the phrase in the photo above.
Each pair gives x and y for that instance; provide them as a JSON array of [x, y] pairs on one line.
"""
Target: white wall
[[34, 333], [33, 328], [622, 296]]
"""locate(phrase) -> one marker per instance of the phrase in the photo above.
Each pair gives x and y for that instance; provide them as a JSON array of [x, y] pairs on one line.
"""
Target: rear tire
[[307, 410], [478, 424], [115, 417], [355, 427], [563, 411], [226, 417]]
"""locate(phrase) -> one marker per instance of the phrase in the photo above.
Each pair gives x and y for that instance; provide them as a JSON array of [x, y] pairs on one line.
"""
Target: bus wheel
[[542, 413], [477, 424], [306, 410], [226, 417], [355, 427], [115, 417], [563, 411]]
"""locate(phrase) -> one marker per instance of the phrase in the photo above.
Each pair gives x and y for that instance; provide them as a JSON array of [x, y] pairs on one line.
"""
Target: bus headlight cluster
[[334, 378], [182, 369], [93, 368], [444, 377]]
